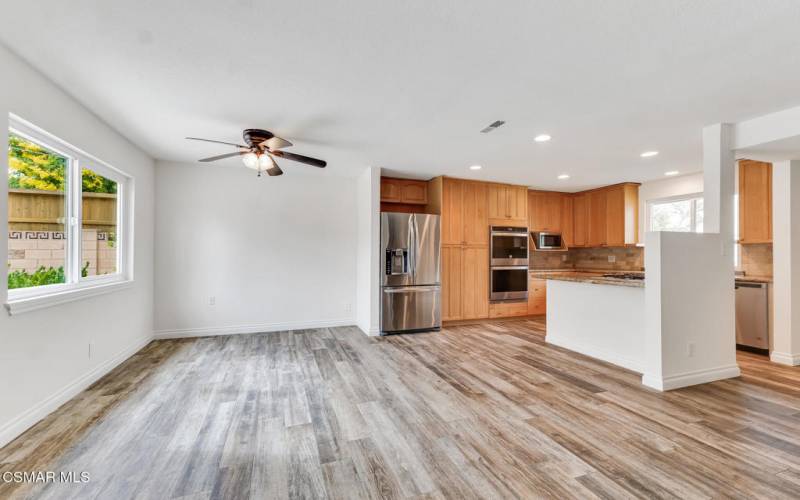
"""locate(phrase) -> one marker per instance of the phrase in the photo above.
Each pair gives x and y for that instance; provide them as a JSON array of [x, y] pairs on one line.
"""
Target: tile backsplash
[[625, 259], [757, 259]]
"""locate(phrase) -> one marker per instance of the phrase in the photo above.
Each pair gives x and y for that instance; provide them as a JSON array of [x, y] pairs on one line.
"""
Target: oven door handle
[[509, 268], [508, 233]]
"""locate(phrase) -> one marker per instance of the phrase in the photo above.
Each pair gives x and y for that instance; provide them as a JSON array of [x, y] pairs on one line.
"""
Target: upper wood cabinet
[[580, 220], [598, 226], [405, 191], [476, 216], [622, 215], [452, 210], [567, 220], [464, 207], [545, 211], [755, 202], [508, 204]]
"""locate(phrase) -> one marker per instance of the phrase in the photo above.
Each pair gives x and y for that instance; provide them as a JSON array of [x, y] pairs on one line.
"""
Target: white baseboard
[[690, 378], [27, 419], [366, 330], [784, 358], [596, 352], [213, 331]]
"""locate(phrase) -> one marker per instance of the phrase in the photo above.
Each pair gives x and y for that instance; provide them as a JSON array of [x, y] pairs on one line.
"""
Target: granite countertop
[[595, 277], [754, 278]]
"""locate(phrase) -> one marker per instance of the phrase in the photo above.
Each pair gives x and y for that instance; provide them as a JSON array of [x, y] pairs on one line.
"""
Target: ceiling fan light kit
[[262, 145]]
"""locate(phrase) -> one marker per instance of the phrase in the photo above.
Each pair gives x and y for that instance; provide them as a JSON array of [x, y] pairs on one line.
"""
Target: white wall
[[602, 321], [665, 188], [277, 253], [786, 262], [367, 302], [689, 297], [44, 358]]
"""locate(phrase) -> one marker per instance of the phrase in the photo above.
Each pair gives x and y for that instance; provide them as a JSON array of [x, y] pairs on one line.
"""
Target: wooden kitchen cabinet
[[465, 282], [597, 218], [508, 204], [452, 212], [463, 206], [464, 212], [406, 191], [475, 282], [507, 309], [475, 213], [452, 283], [755, 202], [580, 220], [545, 211], [537, 296], [567, 231], [622, 215]]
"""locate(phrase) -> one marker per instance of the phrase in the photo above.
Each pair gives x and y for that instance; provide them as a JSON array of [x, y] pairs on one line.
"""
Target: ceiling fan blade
[[220, 157], [274, 170], [275, 143], [217, 142], [302, 159]]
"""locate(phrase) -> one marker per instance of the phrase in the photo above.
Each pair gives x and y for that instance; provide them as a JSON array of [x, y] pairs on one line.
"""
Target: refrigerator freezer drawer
[[410, 308]]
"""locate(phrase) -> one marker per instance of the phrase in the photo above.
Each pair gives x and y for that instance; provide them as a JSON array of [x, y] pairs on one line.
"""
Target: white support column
[[786, 250], [689, 297], [368, 191], [719, 173]]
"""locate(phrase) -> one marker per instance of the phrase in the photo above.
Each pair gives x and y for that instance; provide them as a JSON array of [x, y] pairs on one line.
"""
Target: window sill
[[22, 305]]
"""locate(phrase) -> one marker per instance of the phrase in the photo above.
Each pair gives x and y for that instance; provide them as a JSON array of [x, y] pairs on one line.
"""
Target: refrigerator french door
[[410, 273]]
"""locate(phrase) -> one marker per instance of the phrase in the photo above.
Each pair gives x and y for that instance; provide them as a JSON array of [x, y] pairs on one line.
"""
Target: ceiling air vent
[[493, 126]]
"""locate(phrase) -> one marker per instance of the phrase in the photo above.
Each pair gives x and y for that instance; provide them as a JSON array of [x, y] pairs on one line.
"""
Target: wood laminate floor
[[485, 411]]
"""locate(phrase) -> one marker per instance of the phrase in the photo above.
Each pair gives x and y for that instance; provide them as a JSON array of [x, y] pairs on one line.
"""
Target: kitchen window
[[68, 221], [677, 214]]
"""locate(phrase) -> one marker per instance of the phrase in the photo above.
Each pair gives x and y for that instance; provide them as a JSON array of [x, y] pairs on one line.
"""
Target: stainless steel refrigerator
[[411, 292]]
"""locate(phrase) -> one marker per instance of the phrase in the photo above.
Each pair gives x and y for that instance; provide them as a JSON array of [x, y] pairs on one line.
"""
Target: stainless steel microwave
[[547, 241]]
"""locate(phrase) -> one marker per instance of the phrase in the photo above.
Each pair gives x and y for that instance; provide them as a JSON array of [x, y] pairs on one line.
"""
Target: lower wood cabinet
[[452, 282], [537, 296], [465, 282], [508, 308]]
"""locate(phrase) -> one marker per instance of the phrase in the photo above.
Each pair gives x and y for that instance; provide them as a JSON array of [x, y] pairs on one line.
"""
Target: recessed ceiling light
[[542, 138], [671, 173], [563, 176], [475, 167], [649, 154]]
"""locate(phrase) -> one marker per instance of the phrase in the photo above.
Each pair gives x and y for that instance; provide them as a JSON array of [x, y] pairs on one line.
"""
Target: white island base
[[603, 321]]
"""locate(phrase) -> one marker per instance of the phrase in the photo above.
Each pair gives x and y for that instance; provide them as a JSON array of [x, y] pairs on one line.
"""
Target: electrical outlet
[[348, 307], [212, 301], [612, 258], [690, 349]]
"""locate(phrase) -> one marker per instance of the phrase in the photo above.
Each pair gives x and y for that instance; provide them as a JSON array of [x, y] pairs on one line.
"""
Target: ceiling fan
[[262, 146]]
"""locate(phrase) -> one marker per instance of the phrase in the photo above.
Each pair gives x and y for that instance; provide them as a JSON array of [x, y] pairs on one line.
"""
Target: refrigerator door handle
[[413, 246], [416, 289]]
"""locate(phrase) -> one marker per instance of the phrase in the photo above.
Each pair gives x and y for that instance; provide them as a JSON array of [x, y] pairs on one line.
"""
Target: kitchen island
[[597, 315]]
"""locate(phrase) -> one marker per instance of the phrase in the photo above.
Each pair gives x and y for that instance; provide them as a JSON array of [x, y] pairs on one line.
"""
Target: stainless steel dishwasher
[[752, 316]]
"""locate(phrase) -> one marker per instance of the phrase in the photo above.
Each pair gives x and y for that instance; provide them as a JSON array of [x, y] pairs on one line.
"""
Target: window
[[66, 217], [678, 214]]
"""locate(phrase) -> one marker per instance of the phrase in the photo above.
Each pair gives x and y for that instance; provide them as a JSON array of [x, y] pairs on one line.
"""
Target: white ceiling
[[408, 85]]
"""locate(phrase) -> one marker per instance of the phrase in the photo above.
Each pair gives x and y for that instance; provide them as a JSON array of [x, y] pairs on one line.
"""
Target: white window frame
[[76, 287], [693, 197]]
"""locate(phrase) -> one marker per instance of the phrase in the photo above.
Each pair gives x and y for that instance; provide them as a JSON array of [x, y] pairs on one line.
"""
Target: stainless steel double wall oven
[[508, 266]]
